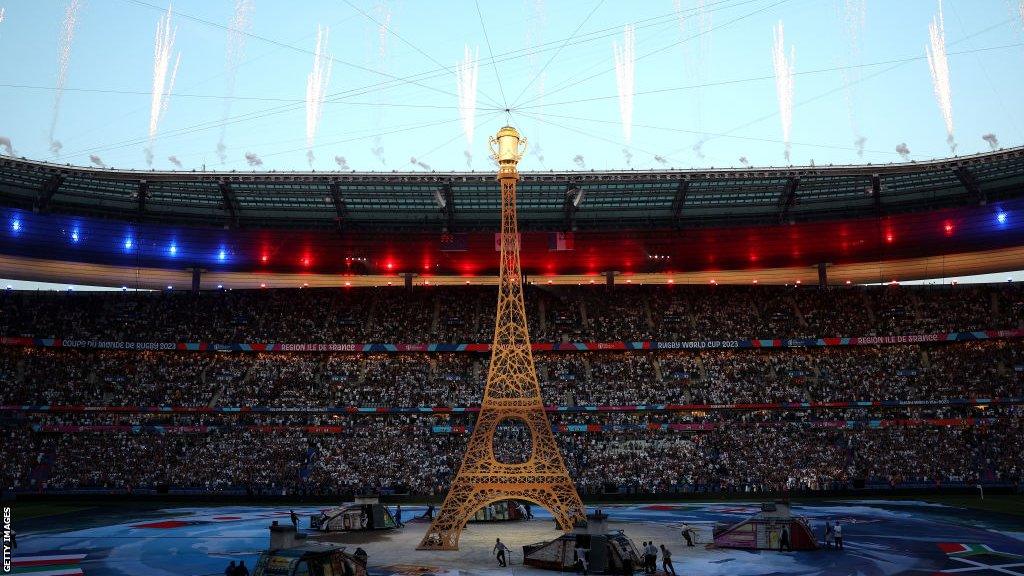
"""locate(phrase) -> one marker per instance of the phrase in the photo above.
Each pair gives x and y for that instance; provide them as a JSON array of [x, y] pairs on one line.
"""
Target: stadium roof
[[442, 224], [418, 201]]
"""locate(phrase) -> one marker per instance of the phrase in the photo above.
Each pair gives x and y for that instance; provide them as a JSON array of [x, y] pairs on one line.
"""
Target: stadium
[[797, 369]]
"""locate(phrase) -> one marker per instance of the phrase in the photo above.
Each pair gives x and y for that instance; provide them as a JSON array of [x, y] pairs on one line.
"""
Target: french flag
[[560, 241]]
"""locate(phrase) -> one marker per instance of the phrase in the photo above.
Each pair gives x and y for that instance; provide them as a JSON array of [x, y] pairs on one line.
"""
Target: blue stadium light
[[128, 244], [173, 249], [222, 255], [1001, 217], [75, 236], [15, 225]]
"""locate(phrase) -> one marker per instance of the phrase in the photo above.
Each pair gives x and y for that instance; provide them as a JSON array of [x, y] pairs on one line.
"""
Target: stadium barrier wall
[[537, 346]]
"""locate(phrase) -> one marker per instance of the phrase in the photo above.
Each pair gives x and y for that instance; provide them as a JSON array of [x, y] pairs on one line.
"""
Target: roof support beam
[[340, 209], [788, 198], [230, 203], [140, 197], [876, 192], [448, 194], [680, 200], [966, 177], [47, 191]]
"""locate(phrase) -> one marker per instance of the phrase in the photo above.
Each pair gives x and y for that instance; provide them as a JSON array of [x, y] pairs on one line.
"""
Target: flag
[[560, 241], [454, 242]]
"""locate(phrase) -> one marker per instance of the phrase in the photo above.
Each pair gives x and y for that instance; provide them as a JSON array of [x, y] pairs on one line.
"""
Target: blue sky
[[564, 47]]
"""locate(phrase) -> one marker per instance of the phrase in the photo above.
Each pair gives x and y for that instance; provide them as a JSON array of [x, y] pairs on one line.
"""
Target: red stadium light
[[348, 283], [263, 284], [264, 258], [671, 281], [889, 237], [847, 281], [948, 227], [305, 261], [391, 265], [755, 280], [713, 281]]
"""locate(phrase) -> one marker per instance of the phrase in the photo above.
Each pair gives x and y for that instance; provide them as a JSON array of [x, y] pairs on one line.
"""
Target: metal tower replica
[[512, 393]]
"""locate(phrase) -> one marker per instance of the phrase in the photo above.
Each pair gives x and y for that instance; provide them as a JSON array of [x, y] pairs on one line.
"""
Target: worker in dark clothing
[[666, 561], [398, 516], [230, 570], [430, 512], [499, 550], [295, 520], [529, 511], [242, 570], [784, 540]]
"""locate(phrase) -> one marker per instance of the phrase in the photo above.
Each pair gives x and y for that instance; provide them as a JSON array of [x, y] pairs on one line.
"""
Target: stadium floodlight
[[15, 225], [1001, 217]]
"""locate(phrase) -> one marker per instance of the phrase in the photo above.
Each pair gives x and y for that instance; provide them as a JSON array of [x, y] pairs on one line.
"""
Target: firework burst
[[938, 65], [67, 35], [783, 65], [238, 28], [316, 88], [625, 67], [466, 74], [163, 76]]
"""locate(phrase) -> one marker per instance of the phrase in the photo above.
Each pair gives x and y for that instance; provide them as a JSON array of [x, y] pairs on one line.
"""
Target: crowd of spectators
[[465, 314], [300, 447], [405, 454], [62, 376]]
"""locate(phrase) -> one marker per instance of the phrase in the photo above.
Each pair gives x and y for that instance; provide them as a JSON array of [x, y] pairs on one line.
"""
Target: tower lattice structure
[[512, 393]]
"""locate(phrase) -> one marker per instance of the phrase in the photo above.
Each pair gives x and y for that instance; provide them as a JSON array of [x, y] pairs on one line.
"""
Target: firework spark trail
[[993, 142], [695, 60], [379, 61], [903, 151], [784, 82], [854, 17], [67, 35], [240, 24], [316, 88], [628, 156], [97, 161], [938, 65], [252, 159], [625, 66], [419, 163], [163, 84], [5, 143], [744, 161], [466, 74], [534, 38], [174, 160], [660, 159], [341, 162]]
